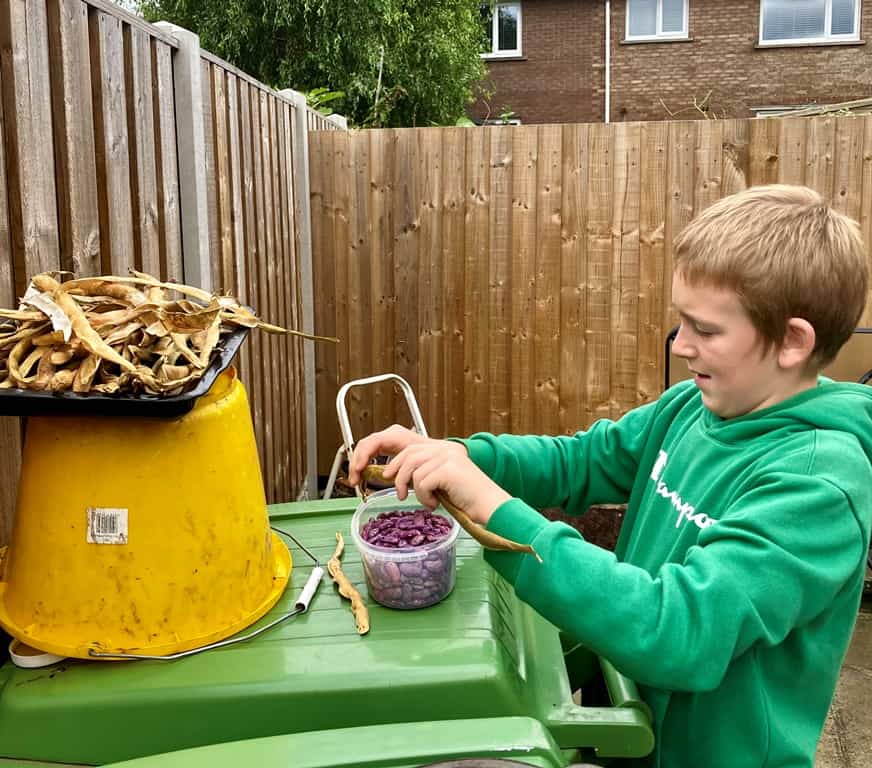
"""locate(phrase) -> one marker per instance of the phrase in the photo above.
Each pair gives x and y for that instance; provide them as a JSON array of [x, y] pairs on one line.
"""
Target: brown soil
[[600, 525]]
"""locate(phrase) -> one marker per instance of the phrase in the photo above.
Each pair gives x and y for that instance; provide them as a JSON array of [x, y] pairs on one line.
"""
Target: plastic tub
[[409, 577]]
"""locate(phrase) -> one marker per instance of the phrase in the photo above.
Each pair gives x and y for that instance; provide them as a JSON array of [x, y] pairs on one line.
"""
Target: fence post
[[303, 217], [191, 146]]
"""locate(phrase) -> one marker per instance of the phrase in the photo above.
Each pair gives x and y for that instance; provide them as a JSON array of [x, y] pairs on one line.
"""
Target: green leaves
[[378, 62]]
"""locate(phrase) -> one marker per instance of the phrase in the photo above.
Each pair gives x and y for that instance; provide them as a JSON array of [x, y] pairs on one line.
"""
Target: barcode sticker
[[107, 525]]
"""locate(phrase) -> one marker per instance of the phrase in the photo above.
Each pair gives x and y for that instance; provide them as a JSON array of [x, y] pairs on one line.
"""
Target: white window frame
[[659, 35], [827, 37], [514, 52]]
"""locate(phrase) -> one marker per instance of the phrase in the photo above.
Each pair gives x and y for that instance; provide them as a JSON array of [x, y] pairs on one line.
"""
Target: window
[[502, 26], [808, 21], [656, 19]]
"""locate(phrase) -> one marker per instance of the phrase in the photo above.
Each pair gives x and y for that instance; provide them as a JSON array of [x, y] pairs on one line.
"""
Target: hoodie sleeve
[[752, 578], [572, 472]]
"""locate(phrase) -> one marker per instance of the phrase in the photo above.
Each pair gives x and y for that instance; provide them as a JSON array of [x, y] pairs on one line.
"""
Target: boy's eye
[[703, 332]]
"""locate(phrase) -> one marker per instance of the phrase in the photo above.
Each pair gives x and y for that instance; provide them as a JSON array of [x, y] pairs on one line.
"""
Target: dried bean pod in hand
[[488, 539]]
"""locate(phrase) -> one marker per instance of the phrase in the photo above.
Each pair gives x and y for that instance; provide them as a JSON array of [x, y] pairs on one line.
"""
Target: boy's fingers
[[400, 468], [389, 442], [427, 481]]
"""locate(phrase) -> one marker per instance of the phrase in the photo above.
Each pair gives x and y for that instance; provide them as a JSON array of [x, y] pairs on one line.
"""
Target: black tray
[[25, 402]]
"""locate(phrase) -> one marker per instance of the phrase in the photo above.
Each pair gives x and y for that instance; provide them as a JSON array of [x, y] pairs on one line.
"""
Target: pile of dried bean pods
[[112, 334]]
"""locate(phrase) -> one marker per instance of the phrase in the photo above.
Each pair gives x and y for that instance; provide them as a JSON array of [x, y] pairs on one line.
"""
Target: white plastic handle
[[342, 412], [308, 592]]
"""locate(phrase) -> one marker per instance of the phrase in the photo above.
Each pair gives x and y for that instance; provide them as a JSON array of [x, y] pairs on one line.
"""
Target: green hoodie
[[734, 587]]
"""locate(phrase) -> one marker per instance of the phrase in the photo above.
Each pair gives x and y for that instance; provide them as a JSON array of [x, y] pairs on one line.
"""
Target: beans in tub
[[409, 583]]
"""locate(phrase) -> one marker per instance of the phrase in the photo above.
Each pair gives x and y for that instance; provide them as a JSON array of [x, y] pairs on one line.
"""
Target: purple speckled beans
[[409, 583], [404, 530]]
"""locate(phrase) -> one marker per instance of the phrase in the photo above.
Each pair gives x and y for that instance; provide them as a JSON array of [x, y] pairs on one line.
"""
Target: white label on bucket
[[107, 525]]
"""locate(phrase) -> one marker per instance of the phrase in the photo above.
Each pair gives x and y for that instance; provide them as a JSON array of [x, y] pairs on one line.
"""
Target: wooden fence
[[127, 146], [519, 277]]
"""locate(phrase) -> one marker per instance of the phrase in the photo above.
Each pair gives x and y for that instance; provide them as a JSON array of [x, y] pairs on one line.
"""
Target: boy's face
[[726, 354]]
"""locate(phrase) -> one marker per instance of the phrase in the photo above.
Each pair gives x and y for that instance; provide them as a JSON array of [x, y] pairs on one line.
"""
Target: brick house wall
[[560, 77]]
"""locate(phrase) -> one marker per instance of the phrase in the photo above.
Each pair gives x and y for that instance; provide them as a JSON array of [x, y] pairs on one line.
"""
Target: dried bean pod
[[488, 539]]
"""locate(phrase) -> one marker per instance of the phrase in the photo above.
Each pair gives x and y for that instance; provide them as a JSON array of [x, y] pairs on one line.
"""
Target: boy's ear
[[798, 344]]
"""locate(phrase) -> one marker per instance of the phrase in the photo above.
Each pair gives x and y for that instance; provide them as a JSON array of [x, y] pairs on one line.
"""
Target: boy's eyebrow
[[695, 320]]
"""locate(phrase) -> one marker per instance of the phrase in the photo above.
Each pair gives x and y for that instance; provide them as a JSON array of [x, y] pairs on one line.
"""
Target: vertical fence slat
[[359, 342], [238, 208], [257, 270], [763, 151], [10, 428], [225, 279], [791, 150], [281, 387], [382, 145], [599, 255], [208, 71], [476, 330], [546, 310], [250, 212], [654, 142], [734, 164], [321, 154], [499, 296], [76, 163], [573, 277], [29, 143], [454, 279], [266, 282], [430, 289], [866, 201], [235, 193], [112, 144], [680, 186], [294, 365], [140, 123], [847, 167], [407, 225], [707, 164], [169, 225], [340, 181], [625, 269], [291, 441], [287, 393], [820, 150], [526, 159]]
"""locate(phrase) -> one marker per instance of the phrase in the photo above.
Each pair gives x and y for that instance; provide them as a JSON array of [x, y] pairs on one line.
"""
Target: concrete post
[[191, 144]]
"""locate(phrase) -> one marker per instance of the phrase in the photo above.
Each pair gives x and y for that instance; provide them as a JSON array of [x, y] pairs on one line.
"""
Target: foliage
[[318, 98], [507, 114], [396, 62]]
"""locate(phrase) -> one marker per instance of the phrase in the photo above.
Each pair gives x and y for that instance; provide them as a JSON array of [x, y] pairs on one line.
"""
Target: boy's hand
[[428, 466]]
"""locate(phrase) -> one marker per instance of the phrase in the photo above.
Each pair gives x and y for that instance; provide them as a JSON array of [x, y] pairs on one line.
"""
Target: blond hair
[[786, 254]]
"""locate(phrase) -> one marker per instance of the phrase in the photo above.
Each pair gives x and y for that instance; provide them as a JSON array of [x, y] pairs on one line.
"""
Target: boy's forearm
[[570, 472]]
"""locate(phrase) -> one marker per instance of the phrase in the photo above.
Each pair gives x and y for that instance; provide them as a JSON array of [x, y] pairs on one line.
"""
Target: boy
[[735, 583]]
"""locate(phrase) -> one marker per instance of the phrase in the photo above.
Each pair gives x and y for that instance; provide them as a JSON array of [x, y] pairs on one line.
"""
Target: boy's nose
[[681, 347]]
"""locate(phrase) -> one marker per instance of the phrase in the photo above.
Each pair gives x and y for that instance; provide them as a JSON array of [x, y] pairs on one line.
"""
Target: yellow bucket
[[141, 536]]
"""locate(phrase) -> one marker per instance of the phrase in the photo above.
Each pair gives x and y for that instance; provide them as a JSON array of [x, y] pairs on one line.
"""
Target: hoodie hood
[[837, 406]]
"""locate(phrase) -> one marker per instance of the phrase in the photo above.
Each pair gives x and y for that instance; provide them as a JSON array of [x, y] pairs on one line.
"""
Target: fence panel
[[89, 178], [253, 255], [521, 276], [88, 166]]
